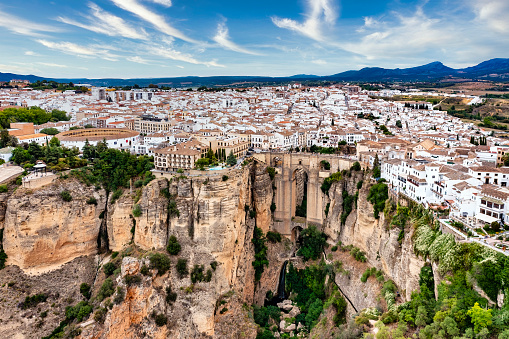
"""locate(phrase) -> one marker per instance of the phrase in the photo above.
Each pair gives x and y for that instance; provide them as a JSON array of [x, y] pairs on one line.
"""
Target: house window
[[483, 202]]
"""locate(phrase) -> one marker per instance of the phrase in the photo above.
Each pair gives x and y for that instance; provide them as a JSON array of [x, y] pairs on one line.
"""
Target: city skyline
[[164, 38]]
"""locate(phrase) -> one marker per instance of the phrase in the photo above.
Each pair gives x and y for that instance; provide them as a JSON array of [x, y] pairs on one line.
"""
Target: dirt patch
[[62, 288]]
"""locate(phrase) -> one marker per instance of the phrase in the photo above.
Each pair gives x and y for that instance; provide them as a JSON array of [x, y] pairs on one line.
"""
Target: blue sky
[[159, 38]]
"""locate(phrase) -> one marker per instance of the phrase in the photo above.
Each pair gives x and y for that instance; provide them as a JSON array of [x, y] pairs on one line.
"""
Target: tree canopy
[[33, 114]]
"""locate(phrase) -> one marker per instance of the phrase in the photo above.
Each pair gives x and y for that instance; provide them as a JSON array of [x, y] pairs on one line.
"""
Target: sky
[[168, 38]]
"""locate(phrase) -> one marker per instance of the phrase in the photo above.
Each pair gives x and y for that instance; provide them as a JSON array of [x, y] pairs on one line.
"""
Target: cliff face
[[213, 224], [42, 231], [372, 236]]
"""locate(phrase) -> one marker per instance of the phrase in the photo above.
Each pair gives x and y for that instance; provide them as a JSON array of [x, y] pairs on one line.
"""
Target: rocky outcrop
[[42, 231], [151, 230], [120, 222], [373, 236]]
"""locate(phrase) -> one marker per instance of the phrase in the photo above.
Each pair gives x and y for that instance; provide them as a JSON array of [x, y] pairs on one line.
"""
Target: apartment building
[[179, 156]]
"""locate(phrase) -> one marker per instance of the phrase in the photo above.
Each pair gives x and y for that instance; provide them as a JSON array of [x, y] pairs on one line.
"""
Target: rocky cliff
[[211, 218], [373, 236]]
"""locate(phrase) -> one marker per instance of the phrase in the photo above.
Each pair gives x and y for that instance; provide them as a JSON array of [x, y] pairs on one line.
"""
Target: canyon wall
[[373, 236]]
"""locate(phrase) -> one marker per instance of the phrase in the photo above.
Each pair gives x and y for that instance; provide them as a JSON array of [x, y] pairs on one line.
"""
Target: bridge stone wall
[[286, 190]]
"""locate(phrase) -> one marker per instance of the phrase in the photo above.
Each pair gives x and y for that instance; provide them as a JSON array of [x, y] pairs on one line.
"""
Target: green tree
[[312, 243], [202, 162], [481, 318], [231, 160], [260, 249], [399, 124], [50, 131], [377, 195], [173, 245], [54, 142], [422, 316]]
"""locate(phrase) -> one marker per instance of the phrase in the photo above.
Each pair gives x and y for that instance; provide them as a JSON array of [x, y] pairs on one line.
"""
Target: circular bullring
[[96, 134], [114, 137]]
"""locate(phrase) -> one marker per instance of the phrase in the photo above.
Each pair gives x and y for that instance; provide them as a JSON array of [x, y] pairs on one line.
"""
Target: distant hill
[[494, 69]]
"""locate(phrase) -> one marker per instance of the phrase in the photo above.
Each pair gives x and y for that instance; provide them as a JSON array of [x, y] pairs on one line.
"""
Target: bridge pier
[[286, 165]]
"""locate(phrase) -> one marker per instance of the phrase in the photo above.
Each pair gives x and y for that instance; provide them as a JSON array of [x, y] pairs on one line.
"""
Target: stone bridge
[[298, 177]]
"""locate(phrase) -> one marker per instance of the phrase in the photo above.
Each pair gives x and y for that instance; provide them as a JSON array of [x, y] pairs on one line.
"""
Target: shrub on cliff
[[136, 211], [85, 290], [273, 237], [378, 193], [160, 262], [181, 267], [312, 243], [106, 290], [109, 268], [356, 166], [171, 296], [66, 196], [327, 182], [260, 250], [173, 245], [272, 172]]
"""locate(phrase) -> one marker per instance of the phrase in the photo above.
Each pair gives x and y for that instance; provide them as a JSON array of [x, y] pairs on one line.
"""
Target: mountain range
[[494, 69]]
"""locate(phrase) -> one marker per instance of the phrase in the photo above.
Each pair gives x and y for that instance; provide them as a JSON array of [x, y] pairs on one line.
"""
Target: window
[[483, 202]]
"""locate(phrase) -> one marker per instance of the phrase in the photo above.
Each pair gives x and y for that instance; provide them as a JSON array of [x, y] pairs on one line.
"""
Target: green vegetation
[[109, 268], [3, 188], [327, 182], [273, 237], [33, 114], [160, 262], [171, 296], [32, 301], [356, 166], [181, 267], [131, 280], [85, 290], [49, 131], [173, 245], [136, 210], [3, 255], [231, 160], [348, 201], [106, 290], [272, 172], [66, 196], [197, 274], [112, 168], [313, 242], [377, 195], [260, 249], [325, 165], [225, 177], [92, 201], [160, 320]]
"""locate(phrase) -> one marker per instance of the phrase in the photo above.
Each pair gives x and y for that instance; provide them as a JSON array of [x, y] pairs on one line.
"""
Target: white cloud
[[74, 49], [49, 64], [494, 14], [319, 62], [138, 60], [21, 26], [107, 23], [30, 53], [320, 12], [406, 36], [172, 54], [155, 19], [222, 38], [166, 3]]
